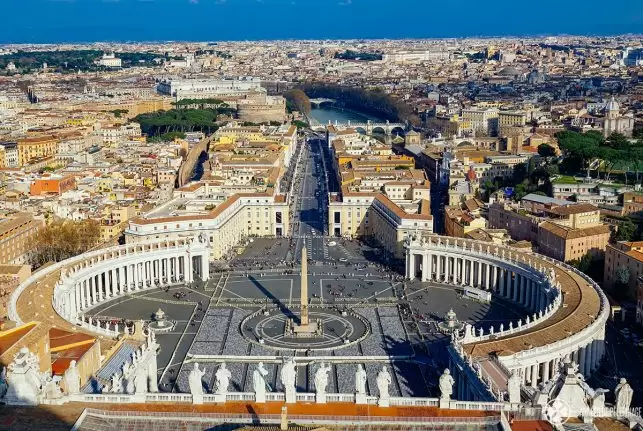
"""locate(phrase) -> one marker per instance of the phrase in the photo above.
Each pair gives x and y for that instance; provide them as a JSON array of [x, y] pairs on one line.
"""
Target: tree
[[299, 100], [583, 264], [546, 150], [625, 231], [62, 239], [622, 282]]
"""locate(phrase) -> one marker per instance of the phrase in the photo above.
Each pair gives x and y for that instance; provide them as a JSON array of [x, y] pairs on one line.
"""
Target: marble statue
[[321, 378], [23, 379], [446, 385], [130, 388], [51, 389], [259, 383], [194, 380], [288, 376], [360, 380], [222, 376], [117, 383], [598, 401], [623, 393], [72, 379], [383, 382], [140, 382]]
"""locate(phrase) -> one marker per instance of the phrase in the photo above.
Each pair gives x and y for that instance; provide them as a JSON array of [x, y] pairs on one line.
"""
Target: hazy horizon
[[78, 21]]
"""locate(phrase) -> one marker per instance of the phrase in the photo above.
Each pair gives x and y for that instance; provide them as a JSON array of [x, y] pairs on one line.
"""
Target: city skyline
[[201, 20]]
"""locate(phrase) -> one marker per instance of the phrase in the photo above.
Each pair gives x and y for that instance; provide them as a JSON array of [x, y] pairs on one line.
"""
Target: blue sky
[[122, 20]]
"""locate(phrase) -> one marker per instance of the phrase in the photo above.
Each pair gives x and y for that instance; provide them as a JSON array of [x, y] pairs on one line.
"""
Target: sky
[[48, 21]]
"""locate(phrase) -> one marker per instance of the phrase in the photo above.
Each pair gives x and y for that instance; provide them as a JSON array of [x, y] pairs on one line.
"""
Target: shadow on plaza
[[282, 307]]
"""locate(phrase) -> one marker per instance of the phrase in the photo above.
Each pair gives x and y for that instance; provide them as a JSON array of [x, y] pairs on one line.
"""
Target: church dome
[[612, 105]]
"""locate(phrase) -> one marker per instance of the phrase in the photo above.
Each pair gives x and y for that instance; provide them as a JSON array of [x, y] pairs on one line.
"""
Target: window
[[278, 216]]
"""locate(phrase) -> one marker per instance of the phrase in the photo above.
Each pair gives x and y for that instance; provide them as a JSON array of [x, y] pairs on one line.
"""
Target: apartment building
[[623, 263], [30, 149], [52, 185], [560, 229], [18, 234]]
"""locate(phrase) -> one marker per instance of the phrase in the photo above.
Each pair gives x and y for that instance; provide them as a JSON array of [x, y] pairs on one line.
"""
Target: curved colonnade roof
[[581, 306], [35, 302]]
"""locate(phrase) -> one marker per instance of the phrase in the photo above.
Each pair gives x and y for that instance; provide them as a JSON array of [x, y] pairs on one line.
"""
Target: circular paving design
[[268, 329]]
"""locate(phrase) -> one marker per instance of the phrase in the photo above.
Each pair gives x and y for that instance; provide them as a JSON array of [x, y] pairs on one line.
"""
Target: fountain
[[160, 322], [451, 323]]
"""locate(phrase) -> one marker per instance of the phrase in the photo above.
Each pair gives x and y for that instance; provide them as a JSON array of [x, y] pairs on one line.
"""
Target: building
[[559, 229], [18, 234], [566, 243], [10, 153], [614, 122], [109, 60], [32, 149], [52, 185], [623, 267], [508, 120], [481, 120]]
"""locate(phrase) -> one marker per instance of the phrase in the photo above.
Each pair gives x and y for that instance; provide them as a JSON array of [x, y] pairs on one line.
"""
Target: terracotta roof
[[581, 307], [573, 209], [571, 233]]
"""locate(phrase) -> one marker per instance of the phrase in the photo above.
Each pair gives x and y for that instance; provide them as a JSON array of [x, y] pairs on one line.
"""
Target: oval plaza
[[493, 370]]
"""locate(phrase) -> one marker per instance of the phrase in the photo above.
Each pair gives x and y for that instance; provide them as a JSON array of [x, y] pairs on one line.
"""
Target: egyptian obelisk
[[304, 288]]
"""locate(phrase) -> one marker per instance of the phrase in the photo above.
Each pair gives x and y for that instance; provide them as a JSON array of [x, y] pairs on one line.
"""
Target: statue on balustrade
[[446, 383], [72, 379], [140, 381], [194, 380], [222, 376], [116, 384], [383, 382], [321, 378], [623, 393], [259, 383], [51, 388], [360, 380], [288, 376]]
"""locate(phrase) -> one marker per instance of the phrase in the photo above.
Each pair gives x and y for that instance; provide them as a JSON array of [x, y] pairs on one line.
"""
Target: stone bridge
[[368, 127], [321, 100]]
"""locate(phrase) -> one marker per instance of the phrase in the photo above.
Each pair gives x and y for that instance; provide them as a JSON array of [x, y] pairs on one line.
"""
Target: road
[[310, 203]]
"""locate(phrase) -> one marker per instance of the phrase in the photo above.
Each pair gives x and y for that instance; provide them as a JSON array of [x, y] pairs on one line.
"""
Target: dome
[[612, 105]]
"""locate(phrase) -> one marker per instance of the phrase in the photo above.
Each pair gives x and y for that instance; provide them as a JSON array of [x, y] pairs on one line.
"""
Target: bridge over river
[[369, 127]]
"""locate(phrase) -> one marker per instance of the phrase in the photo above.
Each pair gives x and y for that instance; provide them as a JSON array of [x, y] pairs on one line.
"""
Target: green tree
[[546, 150], [625, 231], [622, 282]]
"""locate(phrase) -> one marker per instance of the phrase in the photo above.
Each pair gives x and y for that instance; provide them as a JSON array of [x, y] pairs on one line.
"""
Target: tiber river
[[326, 113]]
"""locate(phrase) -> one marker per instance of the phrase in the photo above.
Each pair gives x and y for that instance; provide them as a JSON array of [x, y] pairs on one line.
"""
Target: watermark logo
[[557, 412]]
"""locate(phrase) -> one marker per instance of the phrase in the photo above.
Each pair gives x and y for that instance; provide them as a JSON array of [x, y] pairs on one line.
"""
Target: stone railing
[[302, 397], [475, 371], [245, 418], [520, 326]]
